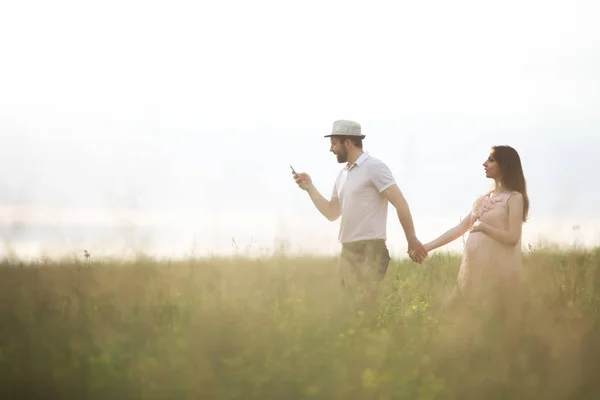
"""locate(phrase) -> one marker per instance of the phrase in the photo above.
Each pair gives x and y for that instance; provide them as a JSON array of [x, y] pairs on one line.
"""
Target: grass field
[[281, 328]]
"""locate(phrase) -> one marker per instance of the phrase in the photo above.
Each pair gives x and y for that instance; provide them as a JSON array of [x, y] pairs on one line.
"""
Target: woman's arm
[[450, 235], [511, 236]]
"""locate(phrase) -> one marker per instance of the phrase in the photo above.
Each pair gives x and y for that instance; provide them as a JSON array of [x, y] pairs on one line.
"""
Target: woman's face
[[492, 168]]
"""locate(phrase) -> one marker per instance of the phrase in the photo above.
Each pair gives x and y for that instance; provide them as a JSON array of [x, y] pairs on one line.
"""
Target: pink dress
[[487, 264]]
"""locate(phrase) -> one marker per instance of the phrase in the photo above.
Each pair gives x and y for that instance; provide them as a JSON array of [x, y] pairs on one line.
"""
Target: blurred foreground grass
[[282, 329]]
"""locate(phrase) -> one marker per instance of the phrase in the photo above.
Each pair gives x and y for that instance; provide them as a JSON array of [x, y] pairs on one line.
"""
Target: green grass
[[281, 328]]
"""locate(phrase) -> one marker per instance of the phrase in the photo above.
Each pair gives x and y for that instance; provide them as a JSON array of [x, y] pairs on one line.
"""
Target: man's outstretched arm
[[395, 196], [383, 180]]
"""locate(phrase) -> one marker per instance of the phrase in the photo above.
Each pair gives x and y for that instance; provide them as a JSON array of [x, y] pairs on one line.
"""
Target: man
[[360, 196]]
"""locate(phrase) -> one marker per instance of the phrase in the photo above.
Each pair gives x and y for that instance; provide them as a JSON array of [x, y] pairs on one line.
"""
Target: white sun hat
[[344, 127]]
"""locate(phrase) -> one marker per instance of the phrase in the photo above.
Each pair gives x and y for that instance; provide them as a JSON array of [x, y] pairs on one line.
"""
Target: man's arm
[[329, 208], [383, 180], [395, 196]]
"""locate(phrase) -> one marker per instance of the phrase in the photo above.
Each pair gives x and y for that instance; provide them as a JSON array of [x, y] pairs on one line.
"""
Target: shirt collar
[[358, 161]]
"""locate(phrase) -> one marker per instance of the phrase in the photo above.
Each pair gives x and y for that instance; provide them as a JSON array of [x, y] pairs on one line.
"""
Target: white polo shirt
[[363, 207]]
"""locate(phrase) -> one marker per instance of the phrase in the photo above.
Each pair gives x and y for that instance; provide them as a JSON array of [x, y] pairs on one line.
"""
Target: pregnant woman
[[491, 264]]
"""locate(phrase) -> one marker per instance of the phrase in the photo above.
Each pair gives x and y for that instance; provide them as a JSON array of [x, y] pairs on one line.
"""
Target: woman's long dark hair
[[512, 173]]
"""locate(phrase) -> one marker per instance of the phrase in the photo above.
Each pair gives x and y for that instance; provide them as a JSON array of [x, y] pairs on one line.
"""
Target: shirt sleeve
[[381, 176]]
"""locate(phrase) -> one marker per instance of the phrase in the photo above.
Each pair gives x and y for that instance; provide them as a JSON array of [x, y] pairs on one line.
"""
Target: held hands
[[429, 246], [416, 251], [303, 180]]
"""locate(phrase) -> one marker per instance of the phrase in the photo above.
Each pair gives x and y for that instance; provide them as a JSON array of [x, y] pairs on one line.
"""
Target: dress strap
[[509, 195]]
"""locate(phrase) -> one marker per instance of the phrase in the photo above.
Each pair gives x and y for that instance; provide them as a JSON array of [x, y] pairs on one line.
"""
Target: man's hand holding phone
[[302, 179]]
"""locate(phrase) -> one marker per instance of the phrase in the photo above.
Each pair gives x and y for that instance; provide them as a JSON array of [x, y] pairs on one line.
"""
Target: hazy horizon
[[190, 115]]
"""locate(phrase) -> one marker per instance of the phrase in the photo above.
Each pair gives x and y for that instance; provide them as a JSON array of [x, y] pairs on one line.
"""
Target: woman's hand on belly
[[478, 226]]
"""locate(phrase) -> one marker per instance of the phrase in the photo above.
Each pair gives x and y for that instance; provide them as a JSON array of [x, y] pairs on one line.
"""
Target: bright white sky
[[189, 114]]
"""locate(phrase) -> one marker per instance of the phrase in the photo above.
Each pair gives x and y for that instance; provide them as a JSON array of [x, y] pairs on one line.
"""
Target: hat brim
[[341, 134]]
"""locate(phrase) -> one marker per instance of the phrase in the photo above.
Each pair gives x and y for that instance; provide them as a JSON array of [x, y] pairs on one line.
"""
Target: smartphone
[[294, 172]]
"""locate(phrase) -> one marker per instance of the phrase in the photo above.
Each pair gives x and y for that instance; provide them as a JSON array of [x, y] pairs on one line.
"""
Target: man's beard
[[342, 157]]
